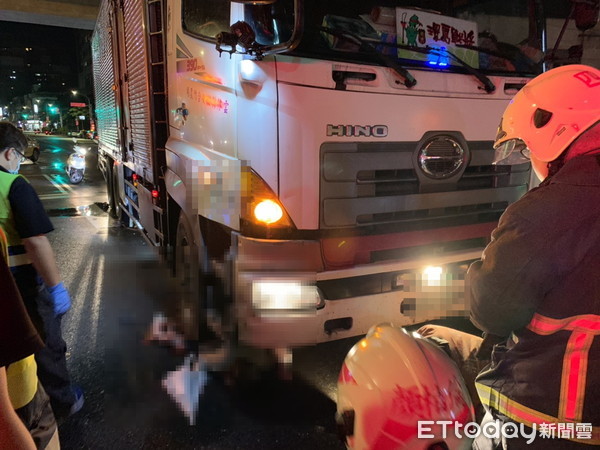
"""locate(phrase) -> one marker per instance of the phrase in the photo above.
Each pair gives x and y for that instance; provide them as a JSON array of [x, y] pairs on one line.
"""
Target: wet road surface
[[117, 283]]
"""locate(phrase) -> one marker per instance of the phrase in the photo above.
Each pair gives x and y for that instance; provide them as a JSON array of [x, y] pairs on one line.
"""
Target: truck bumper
[[285, 298]]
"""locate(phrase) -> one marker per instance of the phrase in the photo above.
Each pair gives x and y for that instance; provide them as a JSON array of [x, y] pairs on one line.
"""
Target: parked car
[[33, 149]]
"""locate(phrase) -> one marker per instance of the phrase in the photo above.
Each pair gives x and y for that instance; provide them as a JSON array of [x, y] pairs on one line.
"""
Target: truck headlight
[[430, 278], [271, 296], [432, 275]]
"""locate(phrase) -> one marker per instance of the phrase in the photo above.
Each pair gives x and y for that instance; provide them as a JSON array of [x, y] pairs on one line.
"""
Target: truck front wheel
[[188, 280]]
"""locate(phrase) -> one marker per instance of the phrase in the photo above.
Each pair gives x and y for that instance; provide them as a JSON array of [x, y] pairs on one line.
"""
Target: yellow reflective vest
[[21, 375]]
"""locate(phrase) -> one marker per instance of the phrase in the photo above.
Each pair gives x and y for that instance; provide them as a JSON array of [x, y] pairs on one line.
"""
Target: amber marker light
[[268, 212]]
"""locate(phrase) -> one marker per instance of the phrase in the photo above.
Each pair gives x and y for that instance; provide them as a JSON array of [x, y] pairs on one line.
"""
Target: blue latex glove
[[61, 301]]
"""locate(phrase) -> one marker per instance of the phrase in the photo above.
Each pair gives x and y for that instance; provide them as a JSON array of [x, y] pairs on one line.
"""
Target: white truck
[[318, 166]]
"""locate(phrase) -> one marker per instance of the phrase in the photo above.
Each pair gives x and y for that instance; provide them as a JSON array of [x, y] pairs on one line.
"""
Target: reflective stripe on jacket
[[568, 420], [17, 256], [21, 375]]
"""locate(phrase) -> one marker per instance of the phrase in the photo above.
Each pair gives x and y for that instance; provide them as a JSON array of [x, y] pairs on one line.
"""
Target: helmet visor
[[511, 152]]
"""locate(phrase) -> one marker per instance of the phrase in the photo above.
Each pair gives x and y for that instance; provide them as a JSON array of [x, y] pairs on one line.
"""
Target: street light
[[55, 110], [74, 92], [25, 116]]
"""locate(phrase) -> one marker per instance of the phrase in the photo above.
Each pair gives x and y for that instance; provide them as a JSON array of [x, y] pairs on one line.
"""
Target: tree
[[74, 113]]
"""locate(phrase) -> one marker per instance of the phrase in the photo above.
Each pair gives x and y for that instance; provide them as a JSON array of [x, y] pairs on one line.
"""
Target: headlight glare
[[284, 296], [268, 212]]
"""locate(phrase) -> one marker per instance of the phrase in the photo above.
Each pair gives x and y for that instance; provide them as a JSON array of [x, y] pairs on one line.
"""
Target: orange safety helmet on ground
[[547, 115], [392, 379]]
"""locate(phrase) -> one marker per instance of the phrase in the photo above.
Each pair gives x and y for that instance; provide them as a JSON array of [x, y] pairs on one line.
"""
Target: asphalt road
[[117, 284]]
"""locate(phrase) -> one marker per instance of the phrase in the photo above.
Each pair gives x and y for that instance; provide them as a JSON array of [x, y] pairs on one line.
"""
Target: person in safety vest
[[33, 266], [537, 285], [19, 339]]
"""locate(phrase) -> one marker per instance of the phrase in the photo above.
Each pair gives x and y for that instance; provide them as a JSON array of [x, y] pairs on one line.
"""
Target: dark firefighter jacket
[[539, 282]]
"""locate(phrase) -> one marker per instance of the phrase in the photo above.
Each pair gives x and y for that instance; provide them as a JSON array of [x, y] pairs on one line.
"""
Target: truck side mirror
[[585, 13], [241, 33]]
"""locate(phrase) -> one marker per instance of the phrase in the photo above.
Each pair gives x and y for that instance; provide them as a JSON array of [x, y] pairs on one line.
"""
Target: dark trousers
[[51, 360], [463, 350], [38, 418]]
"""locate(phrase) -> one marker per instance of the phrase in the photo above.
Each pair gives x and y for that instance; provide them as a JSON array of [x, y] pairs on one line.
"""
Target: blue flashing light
[[441, 59]]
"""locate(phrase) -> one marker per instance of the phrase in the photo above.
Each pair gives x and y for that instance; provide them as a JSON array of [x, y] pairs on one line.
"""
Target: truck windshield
[[491, 36]]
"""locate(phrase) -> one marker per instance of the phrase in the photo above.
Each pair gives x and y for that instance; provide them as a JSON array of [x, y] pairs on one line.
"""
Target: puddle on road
[[96, 214], [98, 209]]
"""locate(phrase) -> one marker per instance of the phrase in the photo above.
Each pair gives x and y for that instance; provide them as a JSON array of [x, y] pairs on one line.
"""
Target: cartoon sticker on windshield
[[438, 34], [413, 30]]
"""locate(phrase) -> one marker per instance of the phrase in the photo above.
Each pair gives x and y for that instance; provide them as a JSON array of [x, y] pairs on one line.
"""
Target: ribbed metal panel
[[104, 76], [139, 96], [375, 184]]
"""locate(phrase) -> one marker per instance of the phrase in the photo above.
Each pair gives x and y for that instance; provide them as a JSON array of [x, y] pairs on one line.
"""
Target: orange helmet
[[548, 114], [394, 382]]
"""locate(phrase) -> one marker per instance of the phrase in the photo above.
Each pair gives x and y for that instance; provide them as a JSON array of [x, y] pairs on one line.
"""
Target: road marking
[[58, 182], [87, 313], [55, 184], [53, 196], [97, 300]]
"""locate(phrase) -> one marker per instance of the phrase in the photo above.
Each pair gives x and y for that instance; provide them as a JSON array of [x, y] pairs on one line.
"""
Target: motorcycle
[[76, 163]]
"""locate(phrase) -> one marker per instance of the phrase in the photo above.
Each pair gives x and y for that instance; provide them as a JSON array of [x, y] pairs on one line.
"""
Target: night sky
[[55, 54]]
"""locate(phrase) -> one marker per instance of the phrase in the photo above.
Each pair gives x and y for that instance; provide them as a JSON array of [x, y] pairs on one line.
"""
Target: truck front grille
[[365, 184]]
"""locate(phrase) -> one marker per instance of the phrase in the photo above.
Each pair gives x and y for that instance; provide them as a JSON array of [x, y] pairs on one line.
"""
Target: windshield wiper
[[522, 63], [388, 61], [392, 63], [488, 86]]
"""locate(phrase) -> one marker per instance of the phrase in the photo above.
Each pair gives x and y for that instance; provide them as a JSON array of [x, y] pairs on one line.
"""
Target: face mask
[[15, 162], [16, 170]]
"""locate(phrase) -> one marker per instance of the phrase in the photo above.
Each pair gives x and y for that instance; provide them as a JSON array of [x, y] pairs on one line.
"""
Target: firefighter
[[537, 285]]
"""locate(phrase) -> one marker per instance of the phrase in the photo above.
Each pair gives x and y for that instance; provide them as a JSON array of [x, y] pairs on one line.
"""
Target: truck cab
[[315, 167]]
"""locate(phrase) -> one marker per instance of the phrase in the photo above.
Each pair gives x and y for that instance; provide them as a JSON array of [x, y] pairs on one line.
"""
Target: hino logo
[[378, 131]]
